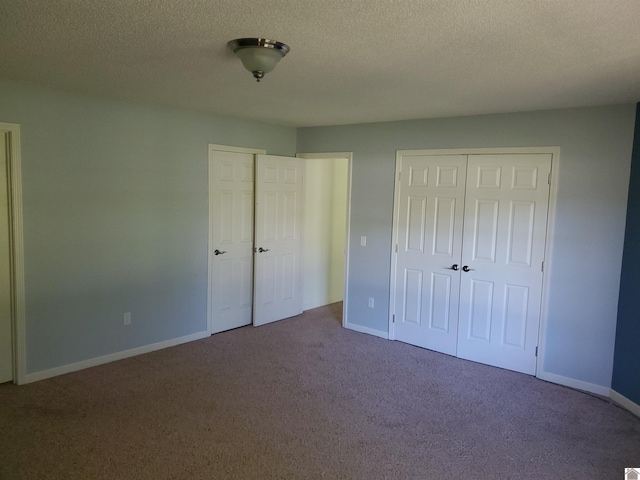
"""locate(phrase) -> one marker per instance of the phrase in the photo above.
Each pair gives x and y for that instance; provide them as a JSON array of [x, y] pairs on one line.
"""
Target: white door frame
[[217, 148], [549, 239], [349, 157], [16, 253]]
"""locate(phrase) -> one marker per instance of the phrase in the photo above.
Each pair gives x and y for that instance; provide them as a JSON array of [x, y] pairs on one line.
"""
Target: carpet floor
[[304, 398]]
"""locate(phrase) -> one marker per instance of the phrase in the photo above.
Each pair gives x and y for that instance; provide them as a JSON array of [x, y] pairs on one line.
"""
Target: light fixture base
[[258, 55]]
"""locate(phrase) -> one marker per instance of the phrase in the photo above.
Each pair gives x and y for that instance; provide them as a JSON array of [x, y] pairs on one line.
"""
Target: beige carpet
[[304, 398]]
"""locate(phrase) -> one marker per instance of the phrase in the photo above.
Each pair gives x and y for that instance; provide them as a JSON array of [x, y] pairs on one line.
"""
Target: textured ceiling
[[350, 61]]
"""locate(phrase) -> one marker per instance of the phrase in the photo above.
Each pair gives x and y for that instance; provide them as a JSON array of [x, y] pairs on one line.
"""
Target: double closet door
[[470, 233], [255, 232]]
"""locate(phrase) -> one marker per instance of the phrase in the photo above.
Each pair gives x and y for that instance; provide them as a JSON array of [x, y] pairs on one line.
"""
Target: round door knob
[[454, 267], [467, 269]]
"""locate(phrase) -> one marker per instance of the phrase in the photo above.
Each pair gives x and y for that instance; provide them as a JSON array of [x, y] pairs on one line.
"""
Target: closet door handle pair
[[455, 267]]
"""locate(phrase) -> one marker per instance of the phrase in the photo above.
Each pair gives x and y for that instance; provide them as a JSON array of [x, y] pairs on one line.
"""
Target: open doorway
[[326, 228]]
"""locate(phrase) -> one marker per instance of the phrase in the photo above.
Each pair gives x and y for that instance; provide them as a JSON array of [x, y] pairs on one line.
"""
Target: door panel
[[485, 230], [430, 212], [480, 307], [521, 223], [516, 306], [505, 230], [231, 190], [278, 238], [439, 312]]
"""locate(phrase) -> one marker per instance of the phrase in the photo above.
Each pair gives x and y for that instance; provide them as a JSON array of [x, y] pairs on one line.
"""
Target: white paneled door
[[231, 234], [503, 249], [471, 235], [255, 246], [430, 209], [279, 191], [6, 353]]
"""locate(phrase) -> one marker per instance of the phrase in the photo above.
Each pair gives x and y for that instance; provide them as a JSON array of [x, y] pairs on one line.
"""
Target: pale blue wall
[[590, 217], [116, 218]]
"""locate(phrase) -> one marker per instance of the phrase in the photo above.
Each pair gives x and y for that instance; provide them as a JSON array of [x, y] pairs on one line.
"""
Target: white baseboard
[[573, 383], [112, 357], [625, 402], [367, 330]]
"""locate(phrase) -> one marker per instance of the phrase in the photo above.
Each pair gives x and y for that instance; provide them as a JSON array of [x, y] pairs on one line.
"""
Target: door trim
[[549, 238], [349, 157], [16, 253], [212, 149]]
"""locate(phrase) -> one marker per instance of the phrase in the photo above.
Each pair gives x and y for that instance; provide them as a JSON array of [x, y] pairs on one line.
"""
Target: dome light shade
[[258, 55]]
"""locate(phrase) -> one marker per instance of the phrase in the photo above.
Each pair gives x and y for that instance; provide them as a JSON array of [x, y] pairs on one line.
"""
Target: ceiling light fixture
[[258, 55]]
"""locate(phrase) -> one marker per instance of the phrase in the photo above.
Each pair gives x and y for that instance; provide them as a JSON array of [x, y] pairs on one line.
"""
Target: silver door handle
[[467, 269], [453, 267], [218, 252]]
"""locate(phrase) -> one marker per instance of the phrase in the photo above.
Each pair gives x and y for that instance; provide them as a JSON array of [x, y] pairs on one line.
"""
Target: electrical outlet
[[371, 302], [127, 318], [363, 241]]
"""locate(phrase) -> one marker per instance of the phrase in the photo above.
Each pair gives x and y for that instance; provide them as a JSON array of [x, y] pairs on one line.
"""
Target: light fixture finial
[[258, 55]]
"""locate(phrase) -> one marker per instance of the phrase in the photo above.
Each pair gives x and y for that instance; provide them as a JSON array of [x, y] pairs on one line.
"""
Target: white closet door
[[429, 243], [503, 249], [231, 249], [278, 238]]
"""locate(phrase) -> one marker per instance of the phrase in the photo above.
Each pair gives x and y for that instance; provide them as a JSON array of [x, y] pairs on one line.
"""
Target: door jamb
[[212, 149], [349, 157], [549, 238], [394, 241], [16, 252]]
